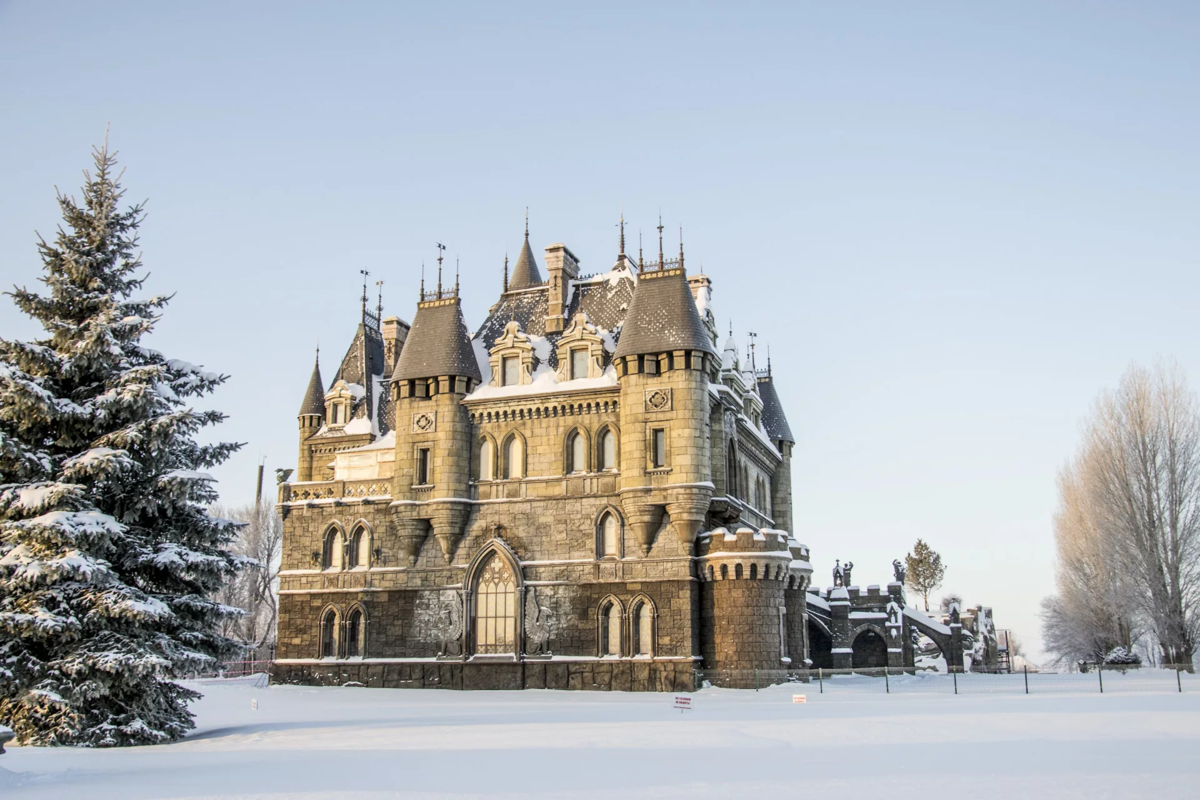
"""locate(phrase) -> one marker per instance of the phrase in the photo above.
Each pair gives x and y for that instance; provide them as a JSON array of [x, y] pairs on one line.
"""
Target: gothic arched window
[[643, 629], [496, 608], [486, 458], [610, 629], [576, 452], [329, 624], [360, 548], [514, 457], [333, 550], [608, 450], [354, 634], [610, 536]]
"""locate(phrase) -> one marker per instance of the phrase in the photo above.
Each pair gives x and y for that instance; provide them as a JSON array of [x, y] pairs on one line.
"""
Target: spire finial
[[365, 275], [422, 297], [639, 249], [527, 222], [768, 360], [456, 276], [441, 250], [622, 250], [753, 336], [379, 307], [506, 270], [681, 247], [660, 250]]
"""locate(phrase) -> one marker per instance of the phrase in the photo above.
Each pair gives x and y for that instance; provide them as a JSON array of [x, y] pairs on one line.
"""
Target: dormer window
[[339, 402], [580, 350], [511, 358]]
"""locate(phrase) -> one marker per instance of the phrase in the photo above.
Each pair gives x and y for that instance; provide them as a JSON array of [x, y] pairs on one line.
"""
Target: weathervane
[[441, 249]]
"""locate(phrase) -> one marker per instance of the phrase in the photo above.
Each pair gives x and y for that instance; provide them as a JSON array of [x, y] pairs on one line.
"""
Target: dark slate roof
[[363, 359], [438, 344], [314, 398], [606, 302], [526, 273], [773, 418], [528, 308], [663, 317]]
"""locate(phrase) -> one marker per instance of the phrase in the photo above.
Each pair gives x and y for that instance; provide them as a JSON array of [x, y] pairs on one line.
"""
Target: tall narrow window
[[608, 450], [360, 548], [610, 630], [659, 448], [610, 539], [335, 546], [354, 634], [643, 630], [495, 608], [329, 634], [514, 458], [511, 373], [423, 476], [579, 364], [486, 457], [577, 453]]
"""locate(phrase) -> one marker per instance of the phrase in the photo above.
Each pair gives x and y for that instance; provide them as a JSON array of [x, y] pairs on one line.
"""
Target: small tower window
[[658, 448], [511, 374], [486, 457], [579, 363], [514, 458], [329, 624], [354, 637], [610, 630], [360, 548], [423, 465], [608, 450], [643, 630], [331, 557]]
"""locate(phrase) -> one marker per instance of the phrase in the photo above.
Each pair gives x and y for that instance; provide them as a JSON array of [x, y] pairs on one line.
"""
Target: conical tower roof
[[773, 418], [662, 317], [438, 344], [314, 398], [526, 273]]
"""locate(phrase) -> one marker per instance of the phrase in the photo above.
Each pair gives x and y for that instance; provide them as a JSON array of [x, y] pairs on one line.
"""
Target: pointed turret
[[774, 421], [314, 398], [525, 274], [663, 317], [438, 345]]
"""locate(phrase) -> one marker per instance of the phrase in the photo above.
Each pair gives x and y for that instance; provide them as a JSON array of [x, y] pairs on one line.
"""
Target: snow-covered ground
[[373, 743]]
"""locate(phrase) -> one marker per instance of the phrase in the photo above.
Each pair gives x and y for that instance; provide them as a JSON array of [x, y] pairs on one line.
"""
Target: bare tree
[[260, 541], [1130, 547]]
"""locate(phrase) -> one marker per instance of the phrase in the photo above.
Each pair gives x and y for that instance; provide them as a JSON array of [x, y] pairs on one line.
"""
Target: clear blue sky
[[954, 224]]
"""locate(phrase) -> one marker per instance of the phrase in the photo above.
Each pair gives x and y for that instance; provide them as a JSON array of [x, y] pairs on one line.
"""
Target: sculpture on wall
[[537, 625], [899, 570]]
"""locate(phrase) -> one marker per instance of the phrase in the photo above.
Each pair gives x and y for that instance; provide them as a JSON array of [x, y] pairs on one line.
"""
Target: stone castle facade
[[585, 493]]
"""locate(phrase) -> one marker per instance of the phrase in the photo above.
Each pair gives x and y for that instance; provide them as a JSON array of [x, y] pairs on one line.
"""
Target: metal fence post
[[1100, 672], [756, 679], [886, 684], [1178, 682], [954, 673], [1026, 678], [821, 678]]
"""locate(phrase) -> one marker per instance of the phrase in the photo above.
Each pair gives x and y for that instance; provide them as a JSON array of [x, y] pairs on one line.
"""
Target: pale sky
[[953, 224]]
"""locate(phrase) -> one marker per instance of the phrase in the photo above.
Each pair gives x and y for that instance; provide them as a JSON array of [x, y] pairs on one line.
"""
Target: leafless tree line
[[255, 589], [1128, 526]]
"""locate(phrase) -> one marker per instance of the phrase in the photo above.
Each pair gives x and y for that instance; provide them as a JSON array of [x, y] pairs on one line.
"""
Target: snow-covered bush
[[108, 559], [1119, 656]]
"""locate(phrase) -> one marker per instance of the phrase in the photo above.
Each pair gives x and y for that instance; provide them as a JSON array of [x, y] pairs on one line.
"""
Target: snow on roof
[[545, 382], [814, 599], [913, 614], [384, 442]]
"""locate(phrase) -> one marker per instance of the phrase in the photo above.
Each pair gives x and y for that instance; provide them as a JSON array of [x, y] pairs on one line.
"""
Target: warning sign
[[799, 698], [683, 702]]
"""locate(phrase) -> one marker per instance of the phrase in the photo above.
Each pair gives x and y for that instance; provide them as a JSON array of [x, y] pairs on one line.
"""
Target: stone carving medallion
[[424, 422], [658, 399]]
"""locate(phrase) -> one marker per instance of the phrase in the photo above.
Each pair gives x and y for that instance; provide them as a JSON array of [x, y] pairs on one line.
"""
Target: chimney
[[395, 331], [563, 267]]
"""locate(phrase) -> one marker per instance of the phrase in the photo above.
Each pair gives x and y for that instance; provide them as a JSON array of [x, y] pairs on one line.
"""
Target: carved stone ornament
[[424, 422], [537, 625], [658, 399], [450, 623]]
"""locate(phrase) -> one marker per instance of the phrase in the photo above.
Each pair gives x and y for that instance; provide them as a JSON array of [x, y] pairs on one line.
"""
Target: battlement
[[743, 540]]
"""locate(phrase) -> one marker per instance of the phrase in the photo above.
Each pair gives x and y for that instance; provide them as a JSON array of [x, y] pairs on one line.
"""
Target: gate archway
[[870, 650]]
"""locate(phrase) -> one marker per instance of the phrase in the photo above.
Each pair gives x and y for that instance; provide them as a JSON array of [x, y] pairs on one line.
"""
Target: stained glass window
[[496, 608]]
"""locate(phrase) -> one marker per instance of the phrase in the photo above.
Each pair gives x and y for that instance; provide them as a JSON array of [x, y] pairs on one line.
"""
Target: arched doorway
[[820, 646], [870, 650]]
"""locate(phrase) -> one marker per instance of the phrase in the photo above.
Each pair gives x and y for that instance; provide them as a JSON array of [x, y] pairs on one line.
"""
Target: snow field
[[375, 743]]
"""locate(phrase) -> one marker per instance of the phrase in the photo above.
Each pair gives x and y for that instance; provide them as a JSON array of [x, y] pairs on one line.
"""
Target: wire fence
[[1106, 679]]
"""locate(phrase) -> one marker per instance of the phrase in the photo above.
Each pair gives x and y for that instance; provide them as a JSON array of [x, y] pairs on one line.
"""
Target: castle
[[586, 493]]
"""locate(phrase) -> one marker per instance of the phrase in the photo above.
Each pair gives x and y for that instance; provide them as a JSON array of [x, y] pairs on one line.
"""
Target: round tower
[[743, 611]]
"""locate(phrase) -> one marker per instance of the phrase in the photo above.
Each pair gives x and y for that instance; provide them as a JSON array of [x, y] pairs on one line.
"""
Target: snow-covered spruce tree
[[107, 555]]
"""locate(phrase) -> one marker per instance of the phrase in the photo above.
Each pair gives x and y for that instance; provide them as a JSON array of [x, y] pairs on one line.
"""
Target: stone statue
[[282, 475], [899, 569], [451, 629], [837, 573], [846, 573], [537, 625]]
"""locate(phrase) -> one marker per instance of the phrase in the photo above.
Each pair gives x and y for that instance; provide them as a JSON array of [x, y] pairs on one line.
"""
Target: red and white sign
[[799, 698], [683, 702]]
